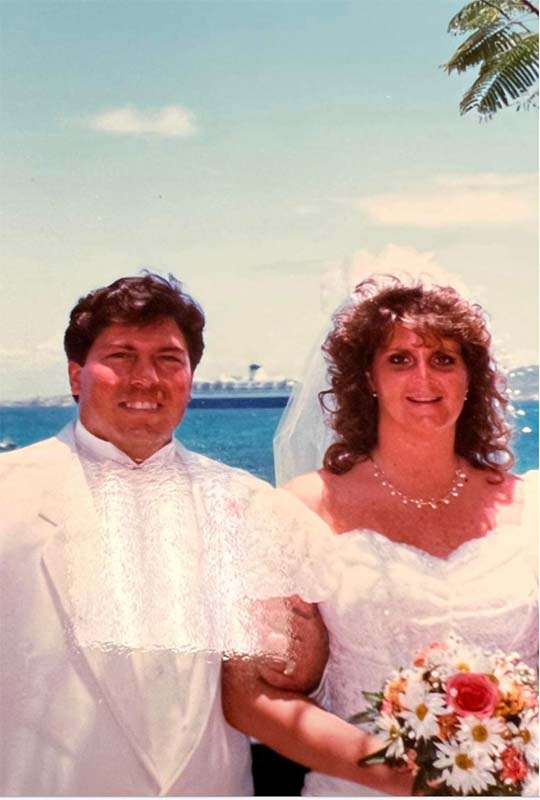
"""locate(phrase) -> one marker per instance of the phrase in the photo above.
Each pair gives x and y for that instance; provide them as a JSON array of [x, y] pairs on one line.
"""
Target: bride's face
[[420, 380]]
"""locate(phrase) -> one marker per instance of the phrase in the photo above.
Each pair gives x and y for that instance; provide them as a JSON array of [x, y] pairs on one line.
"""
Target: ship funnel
[[252, 371]]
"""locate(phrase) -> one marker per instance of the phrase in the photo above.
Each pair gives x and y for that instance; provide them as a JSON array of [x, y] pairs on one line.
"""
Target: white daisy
[[481, 735], [420, 710], [467, 658], [503, 672], [391, 733], [462, 770], [525, 736], [509, 670], [437, 656]]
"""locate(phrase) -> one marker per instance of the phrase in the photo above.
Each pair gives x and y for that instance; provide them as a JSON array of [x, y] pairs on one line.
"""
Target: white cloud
[[168, 121], [455, 201], [12, 357], [480, 180], [405, 263], [42, 355], [54, 345]]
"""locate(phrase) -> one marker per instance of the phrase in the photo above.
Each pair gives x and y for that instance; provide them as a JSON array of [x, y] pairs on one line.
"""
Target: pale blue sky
[[255, 149]]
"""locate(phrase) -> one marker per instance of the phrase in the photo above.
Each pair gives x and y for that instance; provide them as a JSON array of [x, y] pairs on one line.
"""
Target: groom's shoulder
[[26, 476], [40, 453]]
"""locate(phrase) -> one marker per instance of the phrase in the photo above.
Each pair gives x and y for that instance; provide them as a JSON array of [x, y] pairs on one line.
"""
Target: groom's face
[[134, 386]]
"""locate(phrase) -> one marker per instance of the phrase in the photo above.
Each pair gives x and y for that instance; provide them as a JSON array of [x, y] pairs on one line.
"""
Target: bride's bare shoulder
[[508, 489], [507, 499]]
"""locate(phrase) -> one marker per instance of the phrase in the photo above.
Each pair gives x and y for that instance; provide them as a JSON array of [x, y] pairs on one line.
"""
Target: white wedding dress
[[394, 599]]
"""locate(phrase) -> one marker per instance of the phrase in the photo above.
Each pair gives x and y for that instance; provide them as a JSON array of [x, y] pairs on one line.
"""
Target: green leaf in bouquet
[[369, 715], [426, 753], [379, 757], [375, 698], [419, 784]]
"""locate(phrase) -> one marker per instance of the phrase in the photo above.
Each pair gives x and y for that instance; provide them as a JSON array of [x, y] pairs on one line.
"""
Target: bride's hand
[[296, 660], [392, 780], [397, 780]]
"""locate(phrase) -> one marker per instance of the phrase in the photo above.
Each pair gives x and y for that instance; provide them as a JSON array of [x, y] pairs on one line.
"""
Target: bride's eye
[[399, 359], [444, 359]]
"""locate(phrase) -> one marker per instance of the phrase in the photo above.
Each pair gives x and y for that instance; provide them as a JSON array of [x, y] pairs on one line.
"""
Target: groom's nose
[[143, 372]]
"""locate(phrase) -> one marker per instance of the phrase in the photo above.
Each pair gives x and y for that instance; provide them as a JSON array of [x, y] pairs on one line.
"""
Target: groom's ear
[[74, 372]]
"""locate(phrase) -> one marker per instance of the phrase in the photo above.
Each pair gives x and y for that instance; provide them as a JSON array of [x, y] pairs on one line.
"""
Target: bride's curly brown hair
[[365, 324]]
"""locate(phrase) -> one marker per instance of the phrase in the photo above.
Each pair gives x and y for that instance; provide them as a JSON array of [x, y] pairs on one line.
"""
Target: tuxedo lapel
[[160, 699]]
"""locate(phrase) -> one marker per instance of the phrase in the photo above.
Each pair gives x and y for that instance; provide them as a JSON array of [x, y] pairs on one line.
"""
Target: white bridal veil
[[302, 436]]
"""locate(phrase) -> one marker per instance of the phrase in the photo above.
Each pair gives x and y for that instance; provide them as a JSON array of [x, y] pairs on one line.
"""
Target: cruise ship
[[229, 392]]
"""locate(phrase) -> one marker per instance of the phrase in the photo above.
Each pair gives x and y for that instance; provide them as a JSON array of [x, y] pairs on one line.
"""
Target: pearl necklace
[[458, 482]]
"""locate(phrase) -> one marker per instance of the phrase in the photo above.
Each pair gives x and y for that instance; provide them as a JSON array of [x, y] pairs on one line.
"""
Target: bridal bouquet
[[464, 721]]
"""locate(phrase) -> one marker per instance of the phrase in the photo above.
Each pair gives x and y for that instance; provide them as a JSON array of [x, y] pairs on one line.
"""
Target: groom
[[107, 685]]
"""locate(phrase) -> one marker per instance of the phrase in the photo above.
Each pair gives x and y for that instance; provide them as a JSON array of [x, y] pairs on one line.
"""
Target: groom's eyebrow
[[121, 345]]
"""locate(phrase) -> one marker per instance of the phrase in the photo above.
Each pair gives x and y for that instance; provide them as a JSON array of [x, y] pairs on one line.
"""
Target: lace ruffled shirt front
[[177, 552], [394, 599]]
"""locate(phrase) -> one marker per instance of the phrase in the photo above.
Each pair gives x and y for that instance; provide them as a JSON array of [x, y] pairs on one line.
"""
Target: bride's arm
[[293, 725]]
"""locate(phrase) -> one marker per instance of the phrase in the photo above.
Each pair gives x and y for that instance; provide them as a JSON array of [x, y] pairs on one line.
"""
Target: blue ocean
[[241, 437]]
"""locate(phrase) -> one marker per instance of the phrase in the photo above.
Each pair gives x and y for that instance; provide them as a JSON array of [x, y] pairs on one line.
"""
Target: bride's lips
[[424, 400]]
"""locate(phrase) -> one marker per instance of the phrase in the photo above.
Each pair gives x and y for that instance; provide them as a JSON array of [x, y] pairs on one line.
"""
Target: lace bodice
[[393, 599]]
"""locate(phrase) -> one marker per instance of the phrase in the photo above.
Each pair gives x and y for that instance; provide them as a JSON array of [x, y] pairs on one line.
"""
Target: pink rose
[[472, 693]]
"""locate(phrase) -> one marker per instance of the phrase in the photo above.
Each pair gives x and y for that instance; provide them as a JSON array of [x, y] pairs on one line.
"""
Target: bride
[[434, 534]]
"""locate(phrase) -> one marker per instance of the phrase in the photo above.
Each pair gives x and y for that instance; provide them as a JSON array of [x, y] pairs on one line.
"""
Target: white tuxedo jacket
[[82, 721]]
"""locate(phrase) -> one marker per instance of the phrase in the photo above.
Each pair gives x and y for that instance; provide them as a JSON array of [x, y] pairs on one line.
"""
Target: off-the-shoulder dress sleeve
[[262, 544]]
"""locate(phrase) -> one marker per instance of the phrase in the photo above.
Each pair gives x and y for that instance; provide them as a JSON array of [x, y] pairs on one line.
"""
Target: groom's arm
[[304, 651]]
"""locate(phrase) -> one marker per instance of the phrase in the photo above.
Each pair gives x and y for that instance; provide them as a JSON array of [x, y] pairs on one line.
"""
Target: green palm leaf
[[505, 49], [505, 79], [483, 45], [480, 13]]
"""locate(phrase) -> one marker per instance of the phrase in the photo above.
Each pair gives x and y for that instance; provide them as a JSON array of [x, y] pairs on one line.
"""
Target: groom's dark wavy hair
[[137, 300], [366, 324]]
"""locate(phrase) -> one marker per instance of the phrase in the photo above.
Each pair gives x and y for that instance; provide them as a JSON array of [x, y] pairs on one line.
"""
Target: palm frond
[[505, 79], [485, 12], [483, 45], [529, 102]]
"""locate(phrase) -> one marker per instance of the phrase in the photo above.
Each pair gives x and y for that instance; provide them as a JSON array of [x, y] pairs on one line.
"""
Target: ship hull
[[239, 401]]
